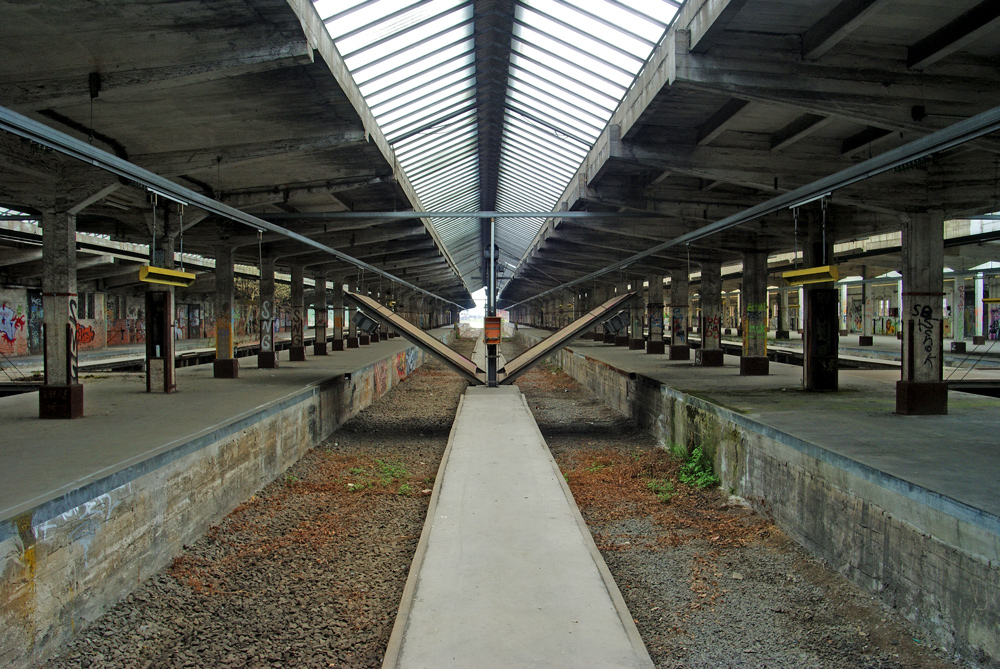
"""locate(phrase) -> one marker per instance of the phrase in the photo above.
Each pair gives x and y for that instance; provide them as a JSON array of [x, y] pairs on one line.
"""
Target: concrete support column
[[866, 338], [980, 333], [782, 331], [297, 351], [710, 354], [958, 310], [61, 396], [637, 309], [160, 312], [922, 389], [319, 306], [267, 358], [352, 318], [754, 360], [821, 333], [844, 311], [679, 349], [226, 365], [337, 299], [654, 314]]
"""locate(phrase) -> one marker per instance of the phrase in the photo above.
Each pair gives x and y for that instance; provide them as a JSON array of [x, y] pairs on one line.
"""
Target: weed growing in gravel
[[662, 488], [596, 467], [291, 478], [697, 470], [390, 471], [405, 490]]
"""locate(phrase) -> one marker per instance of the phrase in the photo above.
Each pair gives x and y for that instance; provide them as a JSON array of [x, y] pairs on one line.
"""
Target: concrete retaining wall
[[935, 560], [66, 562]]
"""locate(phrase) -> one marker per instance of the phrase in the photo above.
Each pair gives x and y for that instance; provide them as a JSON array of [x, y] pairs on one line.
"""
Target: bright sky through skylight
[[570, 63]]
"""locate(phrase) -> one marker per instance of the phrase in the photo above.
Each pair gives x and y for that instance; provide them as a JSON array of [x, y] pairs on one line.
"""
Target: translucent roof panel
[[570, 63]]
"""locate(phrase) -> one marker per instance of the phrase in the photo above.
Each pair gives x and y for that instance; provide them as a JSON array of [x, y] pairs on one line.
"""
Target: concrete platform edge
[[395, 645]]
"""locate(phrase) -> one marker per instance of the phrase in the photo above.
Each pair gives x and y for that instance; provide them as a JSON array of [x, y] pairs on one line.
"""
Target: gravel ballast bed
[[309, 572]]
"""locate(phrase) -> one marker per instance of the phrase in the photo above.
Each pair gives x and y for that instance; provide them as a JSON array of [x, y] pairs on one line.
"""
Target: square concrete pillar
[[679, 349], [710, 354], [754, 360], [319, 306], [821, 332], [61, 395], [226, 365], [267, 357], [654, 314], [922, 390], [297, 350]]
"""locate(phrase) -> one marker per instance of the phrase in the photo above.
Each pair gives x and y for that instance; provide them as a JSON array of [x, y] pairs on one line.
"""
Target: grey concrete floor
[[507, 574], [957, 455], [124, 425]]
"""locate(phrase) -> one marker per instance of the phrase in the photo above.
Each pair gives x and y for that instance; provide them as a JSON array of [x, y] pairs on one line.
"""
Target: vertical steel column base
[[297, 353], [655, 347], [60, 401], [713, 357], [337, 345], [226, 369], [751, 365], [914, 398], [319, 348], [267, 360], [680, 352]]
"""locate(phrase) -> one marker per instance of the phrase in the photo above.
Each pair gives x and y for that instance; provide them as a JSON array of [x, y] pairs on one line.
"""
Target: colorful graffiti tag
[[84, 334], [10, 322]]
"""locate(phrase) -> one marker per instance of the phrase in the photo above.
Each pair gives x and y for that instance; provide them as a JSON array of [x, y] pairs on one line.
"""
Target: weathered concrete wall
[[933, 559], [66, 562]]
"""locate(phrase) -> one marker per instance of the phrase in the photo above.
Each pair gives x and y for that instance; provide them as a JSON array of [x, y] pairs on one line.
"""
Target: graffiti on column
[[712, 329], [994, 330], [74, 349], [656, 319], [924, 315], [266, 336], [296, 326], [224, 333], [677, 326], [755, 326], [958, 315]]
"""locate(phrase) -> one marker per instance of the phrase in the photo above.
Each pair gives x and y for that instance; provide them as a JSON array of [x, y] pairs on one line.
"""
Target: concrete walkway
[[506, 573]]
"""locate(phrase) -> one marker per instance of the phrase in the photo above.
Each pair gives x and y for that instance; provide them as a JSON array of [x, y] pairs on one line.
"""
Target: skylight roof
[[569, 65]]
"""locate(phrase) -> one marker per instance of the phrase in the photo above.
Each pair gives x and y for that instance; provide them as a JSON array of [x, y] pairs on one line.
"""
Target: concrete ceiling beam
[[837, 25], [975, 24]]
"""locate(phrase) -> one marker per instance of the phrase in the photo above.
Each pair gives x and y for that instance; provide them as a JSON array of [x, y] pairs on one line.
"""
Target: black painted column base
[[680, 352], [608, 338], [376, 337], [337, 345], [297, 353], [228, 368], [958, 347], [364, 340], [655, 347], [978, 340], [782, 334], [352, 342], [914, 398], [267, 360], [636, 344], [866, 340], [713, 357], [319, 348], [60, 401], [754, 365], [621, 340]]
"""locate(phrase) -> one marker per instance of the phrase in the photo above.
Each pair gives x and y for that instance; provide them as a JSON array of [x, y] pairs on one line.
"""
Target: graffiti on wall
[[35, 318], [994, 329], [85, 334], [677, 327], [10, 322]]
